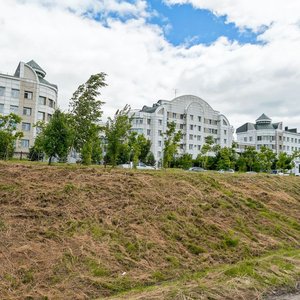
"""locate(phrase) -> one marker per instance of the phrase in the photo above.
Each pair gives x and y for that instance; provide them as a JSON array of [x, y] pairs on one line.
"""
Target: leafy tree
[[97, 154], [150, 159], [266, 157], [9, 135], [86, 112], [56, 137], [206, 148], [224, 160], [171, 143], [36, 153], [184, 161], [251, 158], [117, 131], [284, 161]]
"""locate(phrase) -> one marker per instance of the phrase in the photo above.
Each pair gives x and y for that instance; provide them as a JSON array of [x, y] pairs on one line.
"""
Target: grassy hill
[[89, 233]]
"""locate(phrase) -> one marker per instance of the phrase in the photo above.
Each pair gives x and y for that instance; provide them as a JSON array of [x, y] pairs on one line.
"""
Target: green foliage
[[184, 161], [86, 112], [266, 158], [249, 160], [171, 143], [56, 137], [284, 161], [9, 135], [117, 131], [150, 159]]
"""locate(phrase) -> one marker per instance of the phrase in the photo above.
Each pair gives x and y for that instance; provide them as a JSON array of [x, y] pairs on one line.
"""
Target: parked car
[[226, 171], [140, 166], [197, 169]]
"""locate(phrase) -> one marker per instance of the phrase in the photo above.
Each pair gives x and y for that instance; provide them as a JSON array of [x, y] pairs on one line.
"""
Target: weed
[[195, 249], [95, 268]]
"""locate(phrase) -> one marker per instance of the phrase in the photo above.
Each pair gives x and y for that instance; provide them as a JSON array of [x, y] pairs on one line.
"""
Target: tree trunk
[[50, 160]]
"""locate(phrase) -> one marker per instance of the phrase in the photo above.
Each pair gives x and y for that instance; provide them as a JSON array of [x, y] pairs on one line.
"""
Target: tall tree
[[117, 132], [206, 148], [284, 162], [171, 143], [9, 135], [56, 137], [266, 158], [86, 111]]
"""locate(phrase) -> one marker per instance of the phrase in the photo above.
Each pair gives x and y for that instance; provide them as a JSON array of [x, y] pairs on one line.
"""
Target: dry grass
[[87, 233]]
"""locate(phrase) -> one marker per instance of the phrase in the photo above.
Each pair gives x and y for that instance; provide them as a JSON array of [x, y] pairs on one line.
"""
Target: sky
[[241, 56]]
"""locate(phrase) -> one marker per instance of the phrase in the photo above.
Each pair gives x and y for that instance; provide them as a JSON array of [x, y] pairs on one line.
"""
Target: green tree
[[86, 112], [56, 137], [9, 135], [184, 161], [224, 159], [117, 132], [266, 158], [150, 159], [171, 143], [284, 162], [251, 158], [206, 148]]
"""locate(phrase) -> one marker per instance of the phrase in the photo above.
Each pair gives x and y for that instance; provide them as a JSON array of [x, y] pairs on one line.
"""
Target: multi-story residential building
[[271, 135], [29, 95], [193, 116]]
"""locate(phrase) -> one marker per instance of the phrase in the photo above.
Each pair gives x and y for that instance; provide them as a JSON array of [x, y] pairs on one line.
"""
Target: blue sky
[[194, 26]]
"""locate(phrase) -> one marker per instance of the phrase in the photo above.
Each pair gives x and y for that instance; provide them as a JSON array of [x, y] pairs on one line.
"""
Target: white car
[[140, 166]]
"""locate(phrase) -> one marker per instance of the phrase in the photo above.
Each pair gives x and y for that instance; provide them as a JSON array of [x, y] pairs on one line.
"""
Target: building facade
[[265, 133], [28, 94], [193, 116]]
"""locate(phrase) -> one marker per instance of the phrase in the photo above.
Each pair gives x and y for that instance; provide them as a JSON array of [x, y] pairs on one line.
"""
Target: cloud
[[251, 14], [241, 81]]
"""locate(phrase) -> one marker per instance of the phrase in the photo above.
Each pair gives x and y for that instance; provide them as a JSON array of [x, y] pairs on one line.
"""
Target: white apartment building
[[29, 95], [271, 135], [193, 116]]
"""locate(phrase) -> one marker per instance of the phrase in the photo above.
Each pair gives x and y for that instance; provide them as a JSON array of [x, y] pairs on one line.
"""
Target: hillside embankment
[[87, 233]]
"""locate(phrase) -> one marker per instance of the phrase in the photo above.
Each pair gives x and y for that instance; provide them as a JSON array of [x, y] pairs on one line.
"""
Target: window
[[191, 146], [41, 116], [159, 122], [259, 138], [224, 123], [159, 143], [225, 141], [1, 108], [27, 111], [148, 131], [25, 143], [28, 95], [42, 100], [15, 93], [287, 139], [52, 104], [225, 132], [49, 116], [292, 140], [198, 137], [199, 128], [141, 121], [199, 119], [174, 115], [191, 137], [148, 121], [199, 147], [245, 139], [2, 90], [181, 126], [192, 117], [250, 138], [14, 109], [181, 116], [159, 132], [26, 126], [191, 127]]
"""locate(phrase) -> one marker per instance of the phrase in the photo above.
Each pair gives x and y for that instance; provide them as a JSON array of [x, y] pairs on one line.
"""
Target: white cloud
[[250, 13], [241, 81]]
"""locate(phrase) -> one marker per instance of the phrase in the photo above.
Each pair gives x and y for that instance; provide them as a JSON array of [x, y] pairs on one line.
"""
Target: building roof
[[36, 67], [246, 127], [263, 118]]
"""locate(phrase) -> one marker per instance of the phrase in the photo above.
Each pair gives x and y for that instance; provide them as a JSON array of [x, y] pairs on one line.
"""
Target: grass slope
[[89, 233]]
